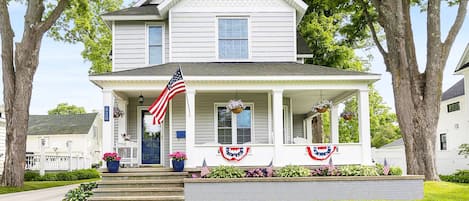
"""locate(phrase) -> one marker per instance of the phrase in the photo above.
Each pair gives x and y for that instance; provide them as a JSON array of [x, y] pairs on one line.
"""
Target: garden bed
[[305, 188]]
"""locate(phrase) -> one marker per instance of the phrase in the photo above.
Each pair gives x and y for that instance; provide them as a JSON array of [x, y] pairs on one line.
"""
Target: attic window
[[233, 38], [453, 107]]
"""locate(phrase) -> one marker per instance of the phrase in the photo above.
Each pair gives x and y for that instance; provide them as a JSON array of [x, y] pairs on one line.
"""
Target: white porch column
[[364, 126], [277, 99], [334, 124], [190, 126], [108, 122], [122, 121]]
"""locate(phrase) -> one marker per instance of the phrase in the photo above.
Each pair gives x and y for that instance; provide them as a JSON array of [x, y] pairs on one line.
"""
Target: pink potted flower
[[178, 159], [112, 161]]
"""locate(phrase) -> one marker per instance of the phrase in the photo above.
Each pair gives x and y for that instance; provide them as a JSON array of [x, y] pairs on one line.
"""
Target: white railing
[[33, 162]]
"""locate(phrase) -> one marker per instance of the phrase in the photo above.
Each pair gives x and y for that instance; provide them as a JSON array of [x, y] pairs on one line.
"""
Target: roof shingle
[[143, 10], [60, 124], [454, 91]]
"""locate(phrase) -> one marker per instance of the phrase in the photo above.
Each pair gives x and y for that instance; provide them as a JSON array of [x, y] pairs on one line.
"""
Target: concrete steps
[[145, 183]]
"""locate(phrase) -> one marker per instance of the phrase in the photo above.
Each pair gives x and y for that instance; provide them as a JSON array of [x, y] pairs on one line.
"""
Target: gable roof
[[60, 124], [301, 45], [145, 12], [237, 69], [463, 61], [454, 91]]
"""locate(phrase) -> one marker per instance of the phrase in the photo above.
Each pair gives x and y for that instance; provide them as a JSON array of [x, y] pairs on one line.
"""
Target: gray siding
[[130, 44], [179, 122], [298, 125], [194, 36], [204, 121]]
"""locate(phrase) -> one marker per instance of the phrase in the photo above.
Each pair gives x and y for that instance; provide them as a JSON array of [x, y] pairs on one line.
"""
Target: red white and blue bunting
[[234, 153], [321, 152]]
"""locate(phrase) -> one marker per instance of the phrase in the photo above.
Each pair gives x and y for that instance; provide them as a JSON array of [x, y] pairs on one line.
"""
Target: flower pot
[[113, 166], [347, 117], [178, 166], [237, 110], [321, 109]]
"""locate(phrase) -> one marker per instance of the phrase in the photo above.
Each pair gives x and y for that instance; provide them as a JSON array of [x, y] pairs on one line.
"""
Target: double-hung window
[[233, 39], [233, 128], [155, 44], [453, 107], [443, 145]]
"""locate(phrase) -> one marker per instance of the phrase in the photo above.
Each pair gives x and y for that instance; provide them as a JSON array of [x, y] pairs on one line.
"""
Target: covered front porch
[[277, 125]]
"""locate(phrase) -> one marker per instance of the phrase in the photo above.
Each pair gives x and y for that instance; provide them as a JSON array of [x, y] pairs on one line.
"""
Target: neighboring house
[[228, 49], [82, 132], [453, 127]]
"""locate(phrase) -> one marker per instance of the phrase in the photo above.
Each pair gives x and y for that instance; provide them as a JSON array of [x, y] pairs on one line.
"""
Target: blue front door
[[151, 144]]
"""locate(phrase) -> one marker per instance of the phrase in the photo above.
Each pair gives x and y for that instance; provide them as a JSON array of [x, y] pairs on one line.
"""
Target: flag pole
[[185, 83]]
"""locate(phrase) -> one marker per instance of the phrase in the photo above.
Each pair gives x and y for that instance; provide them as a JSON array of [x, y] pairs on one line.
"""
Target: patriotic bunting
[[321, 152], [234, 153]]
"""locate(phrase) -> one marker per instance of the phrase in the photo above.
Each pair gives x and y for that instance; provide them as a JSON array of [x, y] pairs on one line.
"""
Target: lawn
[[445, 191], [34, 185]]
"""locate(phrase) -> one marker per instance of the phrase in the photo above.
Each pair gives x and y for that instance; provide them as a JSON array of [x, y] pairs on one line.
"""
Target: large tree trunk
[[317, 129], [417, 95], [18, 74]]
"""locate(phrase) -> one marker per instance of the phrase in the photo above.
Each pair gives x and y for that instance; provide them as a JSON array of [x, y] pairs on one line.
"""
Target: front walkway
[[49, 194]]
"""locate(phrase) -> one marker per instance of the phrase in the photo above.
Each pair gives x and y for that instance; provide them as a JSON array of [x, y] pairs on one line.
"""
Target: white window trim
[[234, 133], [217, 56], [147, 40]]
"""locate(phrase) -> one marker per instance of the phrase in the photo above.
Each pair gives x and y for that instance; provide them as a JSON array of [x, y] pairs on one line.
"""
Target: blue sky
[[62, 74]]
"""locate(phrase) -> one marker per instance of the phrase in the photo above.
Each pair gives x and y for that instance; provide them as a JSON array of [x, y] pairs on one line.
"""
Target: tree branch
[[373, 31], [47, 24], [453, 32]]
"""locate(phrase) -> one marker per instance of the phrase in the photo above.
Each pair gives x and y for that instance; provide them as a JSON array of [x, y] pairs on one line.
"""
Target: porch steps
[[146, 183]]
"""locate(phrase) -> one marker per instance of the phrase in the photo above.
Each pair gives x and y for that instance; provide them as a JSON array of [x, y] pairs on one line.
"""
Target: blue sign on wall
[[106, 113], [180, 134]]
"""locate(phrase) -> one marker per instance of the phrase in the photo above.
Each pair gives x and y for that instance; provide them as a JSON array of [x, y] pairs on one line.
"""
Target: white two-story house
[[227, 49]]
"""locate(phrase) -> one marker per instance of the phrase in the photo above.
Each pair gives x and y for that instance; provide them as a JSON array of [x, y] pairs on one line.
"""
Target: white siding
[[204, 120], [298, 126], [194, 29], [179, 122], [130, 44]]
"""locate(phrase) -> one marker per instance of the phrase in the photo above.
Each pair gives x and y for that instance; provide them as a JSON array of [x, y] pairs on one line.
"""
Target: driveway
[[48, 194]]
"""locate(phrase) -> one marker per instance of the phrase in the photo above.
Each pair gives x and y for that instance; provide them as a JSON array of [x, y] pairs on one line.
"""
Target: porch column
[[108, 122], [122, 121], [334, 124], [190, 126], [277, 99], [364, 126], [309, 129]]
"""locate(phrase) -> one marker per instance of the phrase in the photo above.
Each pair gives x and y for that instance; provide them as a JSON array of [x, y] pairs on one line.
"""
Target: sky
[[62, 75]]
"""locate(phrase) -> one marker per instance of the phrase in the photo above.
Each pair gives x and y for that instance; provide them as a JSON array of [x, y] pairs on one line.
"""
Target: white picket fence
[[53, 163]]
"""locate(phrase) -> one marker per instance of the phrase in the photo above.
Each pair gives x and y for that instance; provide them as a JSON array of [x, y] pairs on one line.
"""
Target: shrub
[[358, 170], [293, 171], [86, 174], [395, 171], [257, 172], [325, 171], [226, 172], [66, 176], [49, 177], [80, 193], [31, 176], [461, 176]]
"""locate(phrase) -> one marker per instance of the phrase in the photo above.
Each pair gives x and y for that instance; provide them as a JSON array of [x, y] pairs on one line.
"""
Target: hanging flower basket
[[118, 112], [235, 106], [347, 115], [322, 106]]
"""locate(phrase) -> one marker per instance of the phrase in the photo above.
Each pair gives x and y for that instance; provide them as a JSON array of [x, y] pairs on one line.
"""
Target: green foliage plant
[[66, 109], [226, 172], [461, 176], [62, 176], [358, 170], [293, 171], [396, 171], [81, 193]]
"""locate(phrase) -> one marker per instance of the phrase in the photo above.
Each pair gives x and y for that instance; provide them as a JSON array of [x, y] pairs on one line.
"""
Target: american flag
[[331, 165], [204, 170], [175, 86], [386, 167], [270, 169]]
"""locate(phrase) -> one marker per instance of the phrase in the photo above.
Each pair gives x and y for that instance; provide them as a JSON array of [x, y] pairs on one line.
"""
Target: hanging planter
[[118, 112], [235, 106], [322, 106], [347, 115]]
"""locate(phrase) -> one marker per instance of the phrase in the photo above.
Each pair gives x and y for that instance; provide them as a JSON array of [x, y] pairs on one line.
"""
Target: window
[[233, 38], [443, 141], [453, 107], [234, 128], [155, 45]]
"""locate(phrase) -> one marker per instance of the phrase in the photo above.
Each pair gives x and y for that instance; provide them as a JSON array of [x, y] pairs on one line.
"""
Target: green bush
[[397, 171], [358, 170], [226, 172], [293, 171], [31, 176], [62, 176], [80, 193], [461, 176]]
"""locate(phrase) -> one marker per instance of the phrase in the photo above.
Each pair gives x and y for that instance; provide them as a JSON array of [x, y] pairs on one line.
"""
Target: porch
[[277, 124]]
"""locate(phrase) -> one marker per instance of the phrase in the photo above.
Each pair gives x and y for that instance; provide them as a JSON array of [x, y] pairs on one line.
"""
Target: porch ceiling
[[303, 101]]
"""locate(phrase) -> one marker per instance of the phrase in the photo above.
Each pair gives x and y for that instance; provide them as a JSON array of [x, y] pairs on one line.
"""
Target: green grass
[[445, 191], [34, 185]]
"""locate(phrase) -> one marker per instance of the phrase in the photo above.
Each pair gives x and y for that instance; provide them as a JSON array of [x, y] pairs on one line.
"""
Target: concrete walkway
[[48, 194]]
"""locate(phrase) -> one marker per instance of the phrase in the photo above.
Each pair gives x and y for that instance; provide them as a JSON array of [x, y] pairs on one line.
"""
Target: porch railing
[[54, 163]]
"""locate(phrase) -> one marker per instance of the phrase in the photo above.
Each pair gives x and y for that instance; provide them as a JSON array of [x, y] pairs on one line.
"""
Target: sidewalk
[[48, 194]]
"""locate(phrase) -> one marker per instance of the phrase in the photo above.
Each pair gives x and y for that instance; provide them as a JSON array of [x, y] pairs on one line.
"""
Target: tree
[[20, 62], [64, 109], [417, 94]]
